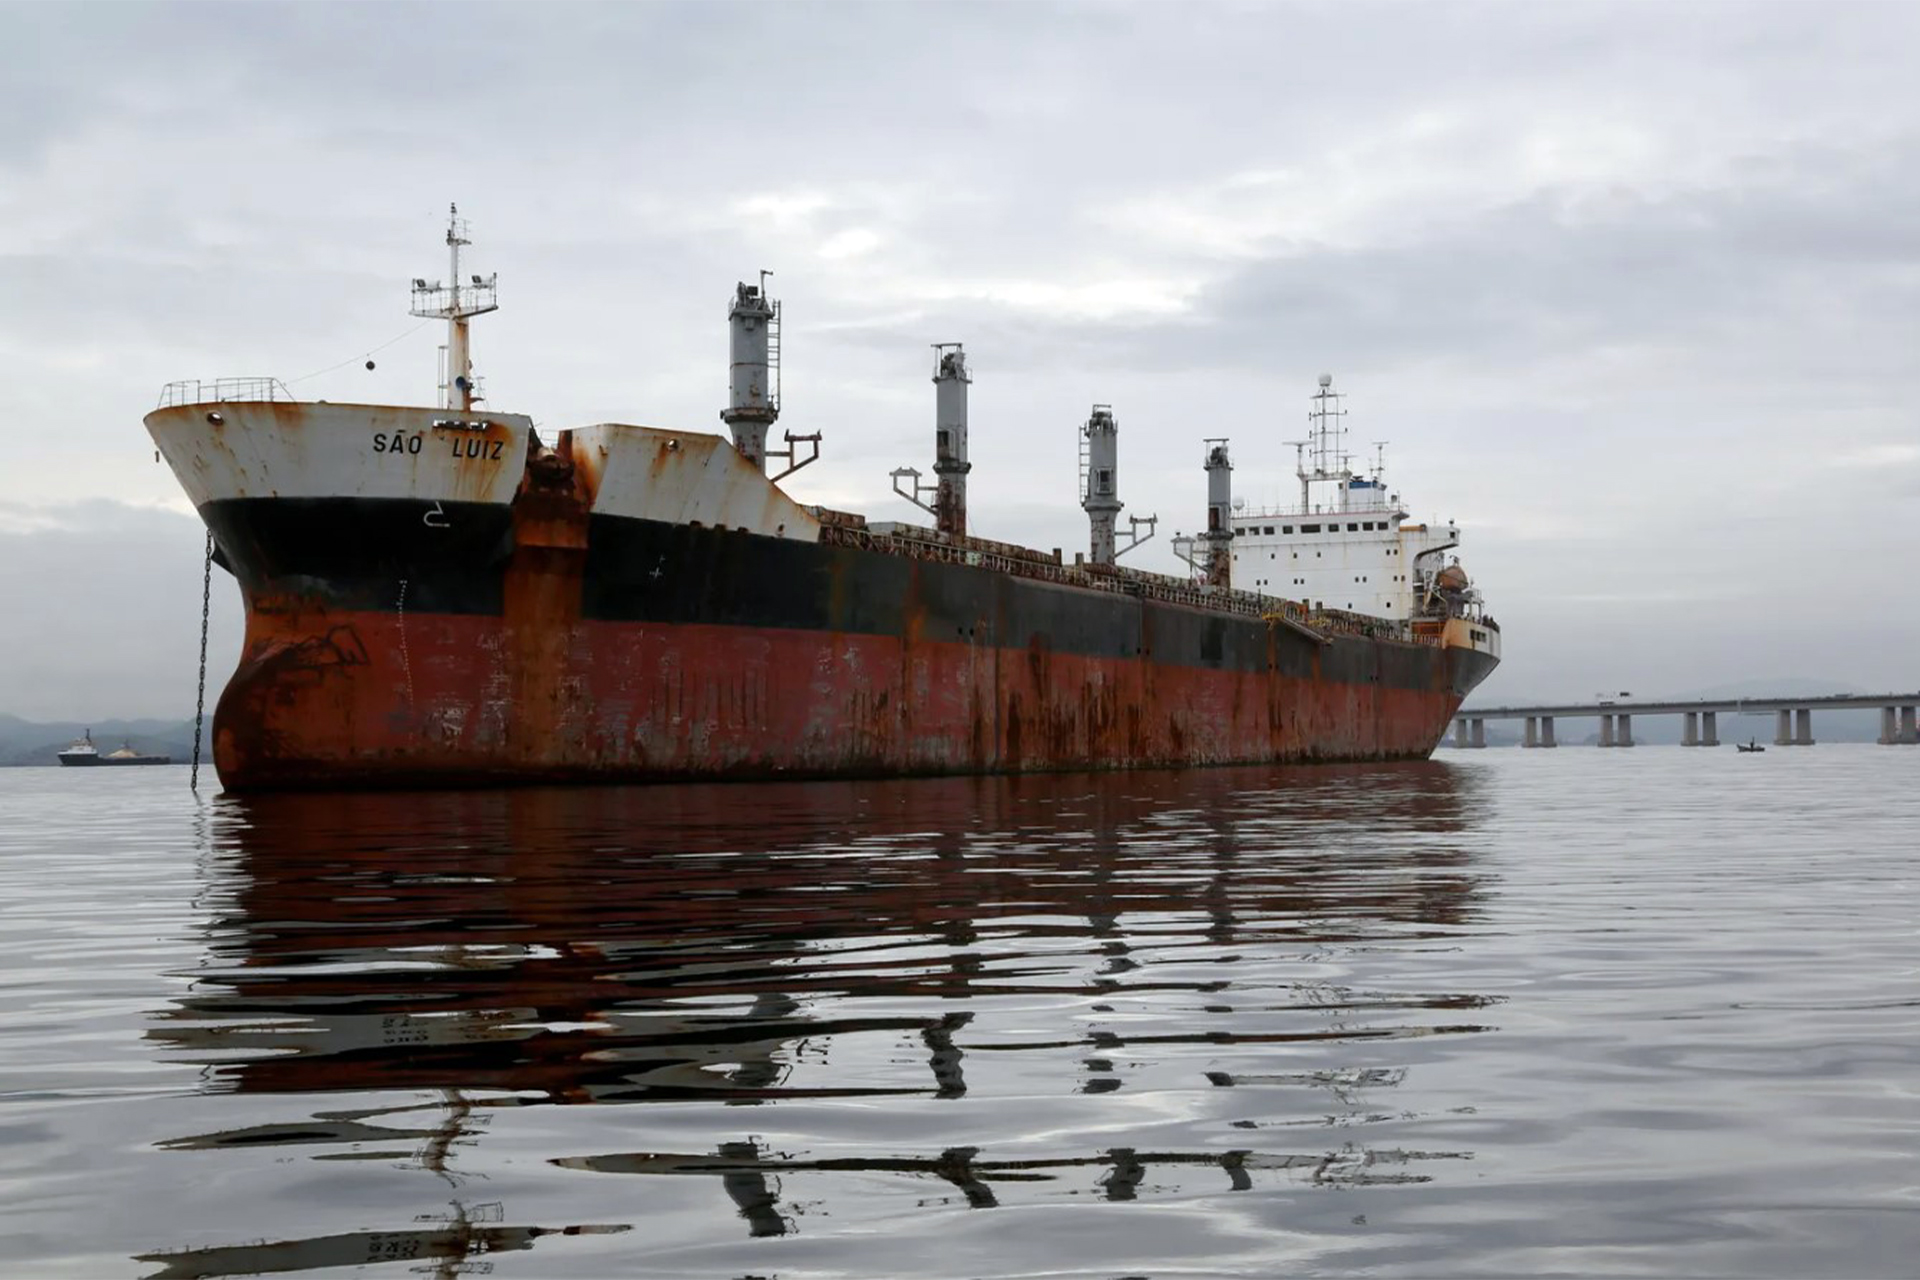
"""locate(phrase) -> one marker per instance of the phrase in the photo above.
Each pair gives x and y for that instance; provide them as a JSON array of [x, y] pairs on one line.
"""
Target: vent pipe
[[950, 465], [1100, 488], [753, 401], [1100, 494], [1219, 535]]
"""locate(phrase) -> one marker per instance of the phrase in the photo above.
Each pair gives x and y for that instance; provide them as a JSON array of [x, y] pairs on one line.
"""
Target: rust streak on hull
[[483, 701]]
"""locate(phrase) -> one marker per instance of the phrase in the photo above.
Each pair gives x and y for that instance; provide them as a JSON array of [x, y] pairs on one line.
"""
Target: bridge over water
[[1793, 718]]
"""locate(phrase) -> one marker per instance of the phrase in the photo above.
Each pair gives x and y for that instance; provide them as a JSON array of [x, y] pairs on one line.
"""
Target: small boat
[[1750, 746], [84, 752]]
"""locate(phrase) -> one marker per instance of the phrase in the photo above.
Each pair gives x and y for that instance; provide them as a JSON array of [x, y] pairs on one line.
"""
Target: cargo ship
[[85, 754], [445, 596]]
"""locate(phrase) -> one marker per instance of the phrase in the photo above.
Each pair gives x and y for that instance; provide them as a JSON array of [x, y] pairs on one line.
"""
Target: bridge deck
[[1733, 706]]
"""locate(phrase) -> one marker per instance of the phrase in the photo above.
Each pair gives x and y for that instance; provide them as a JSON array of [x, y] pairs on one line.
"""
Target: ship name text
[[414, 442]]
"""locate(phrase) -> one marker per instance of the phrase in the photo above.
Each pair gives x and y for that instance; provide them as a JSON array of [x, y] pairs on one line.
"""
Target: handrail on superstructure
[[194, 391]]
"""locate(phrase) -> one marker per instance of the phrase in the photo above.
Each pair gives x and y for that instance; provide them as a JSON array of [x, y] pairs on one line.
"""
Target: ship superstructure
[[1347, 544], [447, 596]]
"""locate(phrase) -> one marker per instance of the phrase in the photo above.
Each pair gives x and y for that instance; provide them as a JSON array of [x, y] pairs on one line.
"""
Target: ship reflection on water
[[892, 942]]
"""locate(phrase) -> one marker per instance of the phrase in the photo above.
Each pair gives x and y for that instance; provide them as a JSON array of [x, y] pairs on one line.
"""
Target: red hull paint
[[375, 698]]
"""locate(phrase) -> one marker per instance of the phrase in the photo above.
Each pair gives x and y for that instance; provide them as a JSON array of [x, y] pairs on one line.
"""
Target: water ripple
[[1525, 1013]]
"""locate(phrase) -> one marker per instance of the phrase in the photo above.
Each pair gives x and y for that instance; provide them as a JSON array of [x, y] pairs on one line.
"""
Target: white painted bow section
[[226, 449], [644, 473]]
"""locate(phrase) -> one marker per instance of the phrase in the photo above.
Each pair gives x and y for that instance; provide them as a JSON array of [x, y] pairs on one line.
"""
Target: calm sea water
[[1507, 1012]]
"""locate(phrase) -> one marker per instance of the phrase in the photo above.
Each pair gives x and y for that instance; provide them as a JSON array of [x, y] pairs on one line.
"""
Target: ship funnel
[[1100, 487], [753, 401], [1219, 536]]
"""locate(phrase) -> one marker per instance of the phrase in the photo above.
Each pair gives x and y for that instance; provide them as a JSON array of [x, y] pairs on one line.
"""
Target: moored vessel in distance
[[85, 754], [443, 596]]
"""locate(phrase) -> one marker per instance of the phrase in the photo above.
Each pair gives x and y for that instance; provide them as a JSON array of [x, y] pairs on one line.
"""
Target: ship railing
[[195, 391], [917, 543], [980, 546]]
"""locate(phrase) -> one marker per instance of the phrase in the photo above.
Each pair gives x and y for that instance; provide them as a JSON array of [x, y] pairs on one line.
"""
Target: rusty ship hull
[[634, 605], [553, 691]]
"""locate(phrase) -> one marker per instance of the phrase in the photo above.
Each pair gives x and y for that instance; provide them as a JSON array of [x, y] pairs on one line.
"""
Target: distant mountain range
[[29, 742]]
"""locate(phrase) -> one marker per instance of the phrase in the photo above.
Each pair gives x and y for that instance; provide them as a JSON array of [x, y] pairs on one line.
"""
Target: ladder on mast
[[773, 355]]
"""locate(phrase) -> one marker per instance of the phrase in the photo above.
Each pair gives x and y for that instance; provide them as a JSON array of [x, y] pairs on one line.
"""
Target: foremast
[[456, 303]]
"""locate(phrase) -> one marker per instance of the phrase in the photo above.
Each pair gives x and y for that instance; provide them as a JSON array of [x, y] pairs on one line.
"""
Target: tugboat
[[84, 752]]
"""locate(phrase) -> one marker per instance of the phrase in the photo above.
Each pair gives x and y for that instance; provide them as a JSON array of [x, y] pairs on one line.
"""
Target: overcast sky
[[1632, 290]]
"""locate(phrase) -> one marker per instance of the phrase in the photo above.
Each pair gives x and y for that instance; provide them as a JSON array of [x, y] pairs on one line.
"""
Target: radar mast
[[456, 303], [1324, 444]]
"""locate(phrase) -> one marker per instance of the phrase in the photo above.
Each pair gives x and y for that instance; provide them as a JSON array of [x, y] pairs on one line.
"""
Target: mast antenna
[[456, 303], [1330, 458]]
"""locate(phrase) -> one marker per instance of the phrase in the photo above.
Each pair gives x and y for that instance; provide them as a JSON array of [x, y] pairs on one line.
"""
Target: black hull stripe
[[355, 553]]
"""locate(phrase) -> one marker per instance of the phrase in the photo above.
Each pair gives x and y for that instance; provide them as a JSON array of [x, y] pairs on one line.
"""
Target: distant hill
[[29, 742]]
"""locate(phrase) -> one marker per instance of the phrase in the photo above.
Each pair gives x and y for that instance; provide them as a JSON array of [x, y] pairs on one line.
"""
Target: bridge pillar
[[1533, 731], [1606, 731], [1479, 728], [1907, 733], [1460, 732], [1625, 736], [1546, 732], [1709, 729], [1803, 727], [1783, 728], [1889, 727], [1690, 736]]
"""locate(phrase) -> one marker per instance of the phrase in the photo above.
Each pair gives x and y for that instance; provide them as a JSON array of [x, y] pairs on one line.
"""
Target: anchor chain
[[200, 698]]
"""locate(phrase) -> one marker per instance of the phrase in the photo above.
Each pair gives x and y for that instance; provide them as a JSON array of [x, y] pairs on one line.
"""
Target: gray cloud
[[1630, 289]]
